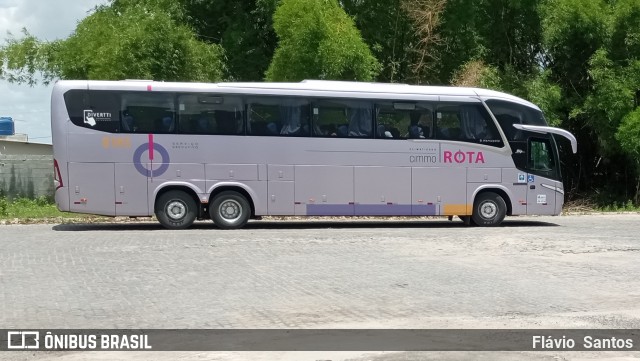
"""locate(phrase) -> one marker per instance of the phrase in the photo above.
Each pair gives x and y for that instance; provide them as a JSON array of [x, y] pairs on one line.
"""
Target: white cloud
[[47, 20], [30, 108]]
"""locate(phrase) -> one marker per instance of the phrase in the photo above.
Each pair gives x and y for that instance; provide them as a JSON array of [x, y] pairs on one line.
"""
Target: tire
[[489, 210], [176, 210], [230, 210]]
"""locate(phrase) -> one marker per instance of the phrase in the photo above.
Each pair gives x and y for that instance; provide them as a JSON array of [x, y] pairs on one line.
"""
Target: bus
[[231, 152]]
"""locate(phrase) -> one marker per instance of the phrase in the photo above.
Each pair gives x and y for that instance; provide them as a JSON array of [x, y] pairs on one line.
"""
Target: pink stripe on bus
[[150, 146]]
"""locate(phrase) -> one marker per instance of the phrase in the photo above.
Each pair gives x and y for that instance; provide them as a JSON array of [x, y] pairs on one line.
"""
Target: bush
[[4, 207], [43, 201]]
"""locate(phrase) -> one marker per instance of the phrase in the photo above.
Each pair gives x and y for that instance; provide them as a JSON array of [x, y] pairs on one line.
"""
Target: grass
[[622, 207], [27, 208], [586, 205], [41, 208]]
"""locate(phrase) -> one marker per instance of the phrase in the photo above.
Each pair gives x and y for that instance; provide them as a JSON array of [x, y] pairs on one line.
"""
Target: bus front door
[[541, 188]]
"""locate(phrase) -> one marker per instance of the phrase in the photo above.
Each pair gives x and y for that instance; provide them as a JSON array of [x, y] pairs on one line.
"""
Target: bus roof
[[327, 87]]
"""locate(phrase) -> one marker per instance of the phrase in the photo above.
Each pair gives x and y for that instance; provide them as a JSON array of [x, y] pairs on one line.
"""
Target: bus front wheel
[[489, 210], [230, 210], [176, 210]]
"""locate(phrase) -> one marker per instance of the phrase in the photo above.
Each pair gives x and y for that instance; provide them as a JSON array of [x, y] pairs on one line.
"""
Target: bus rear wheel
[[176, 210], [230, 210], [489, 210]]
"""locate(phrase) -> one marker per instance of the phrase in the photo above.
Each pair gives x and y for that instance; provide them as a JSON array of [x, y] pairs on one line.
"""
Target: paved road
[[542, 272]]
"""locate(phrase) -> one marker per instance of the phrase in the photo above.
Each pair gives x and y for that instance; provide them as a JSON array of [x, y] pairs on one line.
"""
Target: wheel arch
[[185, 187], [500, 190]]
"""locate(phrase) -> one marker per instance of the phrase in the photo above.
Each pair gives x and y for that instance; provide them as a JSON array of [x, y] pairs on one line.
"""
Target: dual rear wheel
[[177, 209]]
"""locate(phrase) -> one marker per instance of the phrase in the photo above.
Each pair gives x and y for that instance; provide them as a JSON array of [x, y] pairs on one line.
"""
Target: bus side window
[[204, 124], [294, 115], [277, 116], [360, 121], [447, 123], [148, 112], [127, 122], [341, 118], [210, 114], [77, 102], [391, 123], [227, 123], [329, 120], [412, 121], [421, 124], [263, 119], [467, 122], [164, 124], [103, 112]]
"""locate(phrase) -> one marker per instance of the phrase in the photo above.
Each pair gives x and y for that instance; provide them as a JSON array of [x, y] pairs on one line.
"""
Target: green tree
[[629, 133], [318, 40], [591, 48], [511, 34], [387, 29], [125, 39], [629, 136], [244, 28], [451, 34]]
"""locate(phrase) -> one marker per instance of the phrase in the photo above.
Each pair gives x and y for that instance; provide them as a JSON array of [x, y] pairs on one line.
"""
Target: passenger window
[[467, 122], [100, 110], [343, 118], [76, 102], [148, 112], [448, 123], [278, 117], [407, 121], [210, 114]]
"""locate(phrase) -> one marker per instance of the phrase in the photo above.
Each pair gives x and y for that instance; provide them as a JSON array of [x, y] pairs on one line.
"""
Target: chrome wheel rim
[[230, 211], [176, 210], [488, 210]]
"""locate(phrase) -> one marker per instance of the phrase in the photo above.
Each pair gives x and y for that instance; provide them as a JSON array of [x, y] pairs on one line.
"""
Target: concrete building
[[19, 145], [26, 169]]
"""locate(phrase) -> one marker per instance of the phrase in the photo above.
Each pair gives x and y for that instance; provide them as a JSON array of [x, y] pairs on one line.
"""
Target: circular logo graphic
[[142, 168]]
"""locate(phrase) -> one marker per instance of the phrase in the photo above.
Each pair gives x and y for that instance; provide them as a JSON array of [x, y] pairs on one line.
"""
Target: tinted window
[[343, 118], [76, 102], [508, 113], [541, 156], [210, 114], [147, 112], [94, 110], [278, 117], [104, 110], [467, 122], [403, 121]]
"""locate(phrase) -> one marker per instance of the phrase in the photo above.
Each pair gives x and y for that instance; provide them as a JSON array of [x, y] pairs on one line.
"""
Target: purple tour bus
[[236, 151]]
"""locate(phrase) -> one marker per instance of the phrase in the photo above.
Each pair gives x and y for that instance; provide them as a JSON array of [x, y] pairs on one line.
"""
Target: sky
[[48, 20]]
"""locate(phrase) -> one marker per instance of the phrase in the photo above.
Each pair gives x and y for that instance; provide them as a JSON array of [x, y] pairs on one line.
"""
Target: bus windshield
[[509, 113]]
